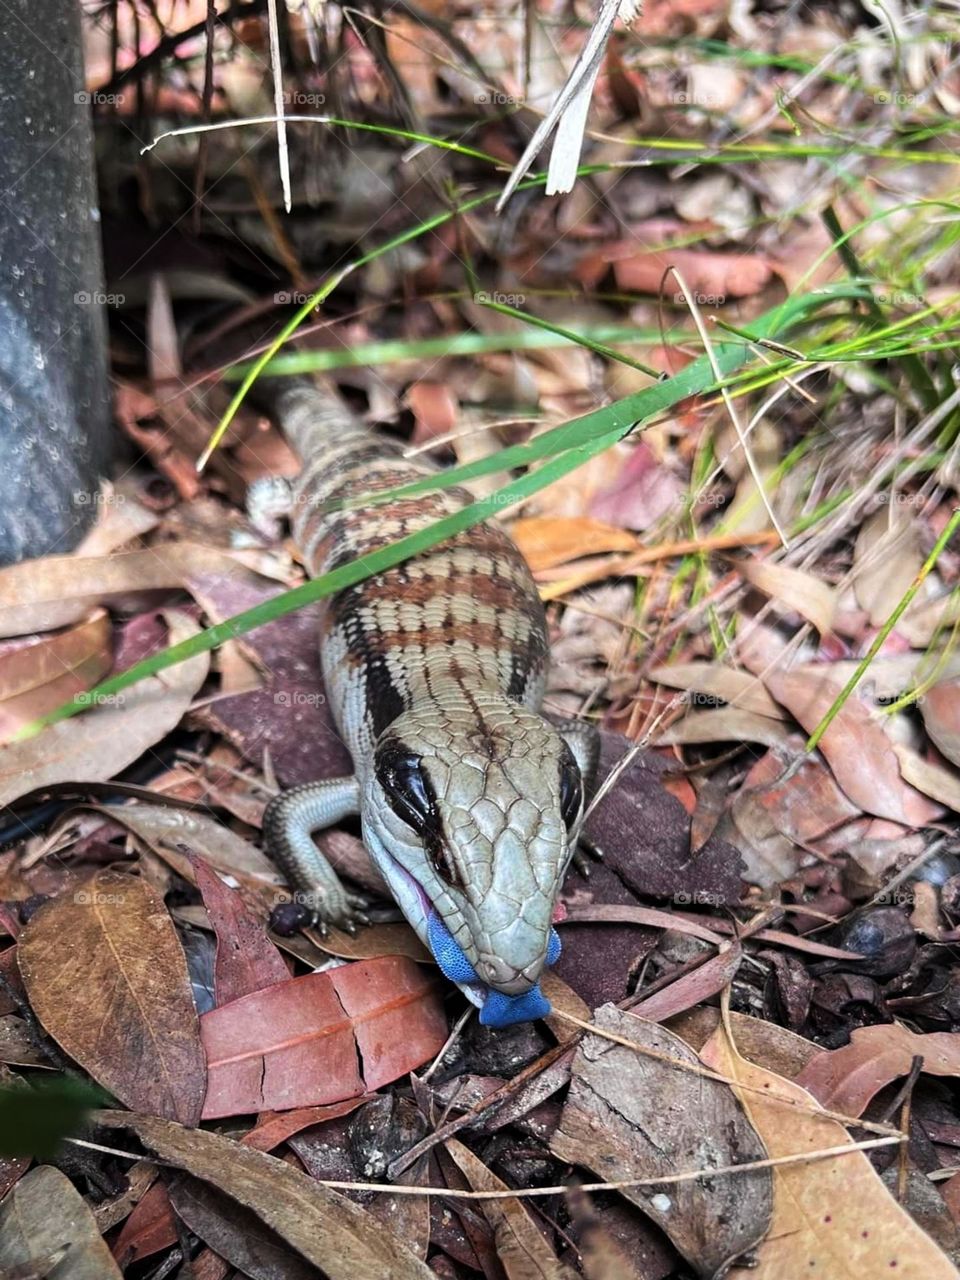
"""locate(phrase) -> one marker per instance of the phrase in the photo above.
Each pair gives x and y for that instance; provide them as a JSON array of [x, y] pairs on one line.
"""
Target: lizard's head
[[468, 813]]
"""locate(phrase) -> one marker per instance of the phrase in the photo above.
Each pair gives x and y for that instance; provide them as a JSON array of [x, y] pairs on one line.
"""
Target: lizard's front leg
[[289, 822]]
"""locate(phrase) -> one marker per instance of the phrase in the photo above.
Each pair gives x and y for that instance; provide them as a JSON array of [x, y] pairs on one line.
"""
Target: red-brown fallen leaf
[[713, 276], [150, 1227], [807, 805], [210, 1266], [940, 708], [301, 1043], [274, 1127], [106, 976], [547, 541], [855, 746], [846, 1079], [677, 17], [641, 493], [435, 410], [246, 958], [692, 988], [950, 1191]]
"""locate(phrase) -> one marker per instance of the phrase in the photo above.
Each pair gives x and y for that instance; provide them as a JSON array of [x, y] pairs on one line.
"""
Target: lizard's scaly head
[[473, 805]]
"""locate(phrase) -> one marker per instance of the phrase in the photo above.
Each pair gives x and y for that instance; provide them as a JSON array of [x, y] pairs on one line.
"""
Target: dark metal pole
[[54, 407]]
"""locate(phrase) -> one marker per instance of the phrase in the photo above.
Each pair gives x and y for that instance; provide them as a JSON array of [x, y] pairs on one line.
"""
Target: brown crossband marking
[[479, 635]]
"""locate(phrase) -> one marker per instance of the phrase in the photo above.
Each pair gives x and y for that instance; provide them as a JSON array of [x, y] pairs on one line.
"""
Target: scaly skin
[[435, 672]]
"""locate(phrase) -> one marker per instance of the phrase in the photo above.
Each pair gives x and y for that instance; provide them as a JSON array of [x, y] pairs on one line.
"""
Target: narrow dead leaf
[[886, 559], [121, 518], [794, 590], [725, 724], [149, 1228], [563, 999], [106, 976], [389, 939], [175, 834], [56, 591], [938, 782], [521, 1248], [548, 541], [855, 745], [631, 1116], [99, 744], [831, 1217], [38, 676], [275, 1127], [328, 1229], [235, 1232], [713, 680], [692, 988]]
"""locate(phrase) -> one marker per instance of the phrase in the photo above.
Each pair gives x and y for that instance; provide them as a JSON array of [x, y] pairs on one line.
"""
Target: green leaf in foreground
[[36, 1119]]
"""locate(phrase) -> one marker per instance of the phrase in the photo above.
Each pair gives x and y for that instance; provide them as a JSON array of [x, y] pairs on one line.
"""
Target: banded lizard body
[[434, 671]]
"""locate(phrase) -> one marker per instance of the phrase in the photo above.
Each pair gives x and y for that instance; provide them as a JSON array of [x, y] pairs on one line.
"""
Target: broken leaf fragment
[[631, 1116]]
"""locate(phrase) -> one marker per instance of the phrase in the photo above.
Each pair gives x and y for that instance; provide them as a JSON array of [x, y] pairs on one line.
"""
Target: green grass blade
[[345, 576], [879, 639], [569, 446]]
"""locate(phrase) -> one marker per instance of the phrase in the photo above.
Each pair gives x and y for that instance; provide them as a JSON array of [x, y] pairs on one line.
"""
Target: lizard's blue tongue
[[498, 1010]]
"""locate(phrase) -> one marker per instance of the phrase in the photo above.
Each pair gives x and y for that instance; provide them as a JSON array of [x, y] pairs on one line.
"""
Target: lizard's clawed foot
[[584, 856], [351, 915], [347, 912]]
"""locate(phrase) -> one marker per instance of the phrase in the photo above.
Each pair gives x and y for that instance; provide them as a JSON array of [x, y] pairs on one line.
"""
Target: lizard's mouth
[[497, 1008], [423, 917]]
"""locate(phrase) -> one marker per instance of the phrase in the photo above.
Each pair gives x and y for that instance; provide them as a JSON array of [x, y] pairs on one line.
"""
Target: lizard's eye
[[571, 787], [406, 788]]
